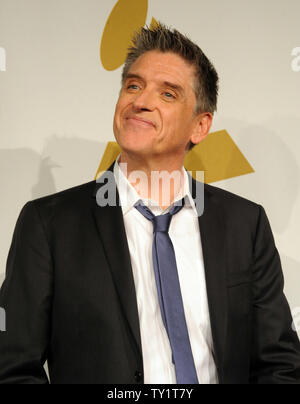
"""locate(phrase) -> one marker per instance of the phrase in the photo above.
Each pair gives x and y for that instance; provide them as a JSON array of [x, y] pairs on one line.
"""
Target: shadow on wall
[[26, 175], [76, 160], [292, 280], [45, 184], [276, 181]]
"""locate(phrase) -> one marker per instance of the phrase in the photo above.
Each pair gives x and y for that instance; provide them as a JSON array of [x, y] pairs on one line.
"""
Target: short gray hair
[[163, 39]]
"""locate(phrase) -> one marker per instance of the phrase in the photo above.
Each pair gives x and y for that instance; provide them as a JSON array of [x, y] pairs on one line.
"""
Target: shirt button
[[138, 376]]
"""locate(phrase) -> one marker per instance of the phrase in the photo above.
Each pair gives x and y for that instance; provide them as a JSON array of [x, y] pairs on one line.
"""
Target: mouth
[[140, 121]]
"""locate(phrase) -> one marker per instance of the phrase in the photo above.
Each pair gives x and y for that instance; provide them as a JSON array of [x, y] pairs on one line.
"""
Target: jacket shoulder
[[235, 208], [72, 201], [226, 197], [242, 217]]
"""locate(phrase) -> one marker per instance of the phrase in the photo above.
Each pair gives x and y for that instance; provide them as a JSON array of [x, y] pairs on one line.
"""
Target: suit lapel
[[212, 230], [109, 220]]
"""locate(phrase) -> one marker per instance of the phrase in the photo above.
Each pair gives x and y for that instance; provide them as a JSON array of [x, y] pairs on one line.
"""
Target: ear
[[203, 124]]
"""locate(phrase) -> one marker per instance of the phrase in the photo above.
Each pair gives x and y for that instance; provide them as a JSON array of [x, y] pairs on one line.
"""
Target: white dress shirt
[[185, 235]]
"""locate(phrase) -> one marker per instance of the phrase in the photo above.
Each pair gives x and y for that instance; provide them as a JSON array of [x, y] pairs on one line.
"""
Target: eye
[[168, 95], [132, 87]]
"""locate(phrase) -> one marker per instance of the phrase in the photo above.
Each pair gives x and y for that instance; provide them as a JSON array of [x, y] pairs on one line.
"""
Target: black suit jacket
[[70, 297]]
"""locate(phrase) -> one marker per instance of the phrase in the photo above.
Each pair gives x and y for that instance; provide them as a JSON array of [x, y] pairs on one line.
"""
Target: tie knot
[[161, 223]]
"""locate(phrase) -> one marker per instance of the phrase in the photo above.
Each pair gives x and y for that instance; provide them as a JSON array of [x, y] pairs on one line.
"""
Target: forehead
[[164, 66]]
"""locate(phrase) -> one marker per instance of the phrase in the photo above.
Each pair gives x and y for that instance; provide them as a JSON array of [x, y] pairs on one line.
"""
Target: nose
[[144, 100]]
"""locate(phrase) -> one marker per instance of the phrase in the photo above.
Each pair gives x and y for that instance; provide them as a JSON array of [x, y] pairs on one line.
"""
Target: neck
[[158, 179]]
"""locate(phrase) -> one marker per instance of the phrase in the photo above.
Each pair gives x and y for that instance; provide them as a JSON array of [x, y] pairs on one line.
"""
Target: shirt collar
[[129, 196]]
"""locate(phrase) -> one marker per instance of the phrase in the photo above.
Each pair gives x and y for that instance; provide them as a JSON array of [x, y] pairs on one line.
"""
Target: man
[[105, 294]]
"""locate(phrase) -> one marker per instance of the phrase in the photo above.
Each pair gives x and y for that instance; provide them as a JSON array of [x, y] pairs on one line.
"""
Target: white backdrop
[[57, 101]]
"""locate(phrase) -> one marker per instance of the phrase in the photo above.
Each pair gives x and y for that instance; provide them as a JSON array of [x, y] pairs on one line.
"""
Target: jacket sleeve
[[275, 356], [26, 296]]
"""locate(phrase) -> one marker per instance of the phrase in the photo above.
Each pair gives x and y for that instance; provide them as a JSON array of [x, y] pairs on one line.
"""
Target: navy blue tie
[[169, 294]]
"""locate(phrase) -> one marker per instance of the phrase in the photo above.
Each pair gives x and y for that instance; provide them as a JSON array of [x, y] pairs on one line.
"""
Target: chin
[[134, 144], [138, 150]]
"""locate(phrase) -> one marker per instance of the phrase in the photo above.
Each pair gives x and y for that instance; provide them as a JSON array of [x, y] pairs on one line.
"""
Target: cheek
[[169, 120], [118, 106], [118, 110], [117, 119], [177, 126], [123, 104], [173, 124]]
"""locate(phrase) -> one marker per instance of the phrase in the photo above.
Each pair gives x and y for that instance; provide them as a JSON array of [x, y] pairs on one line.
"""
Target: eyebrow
[[175, 87], [133, 76]]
